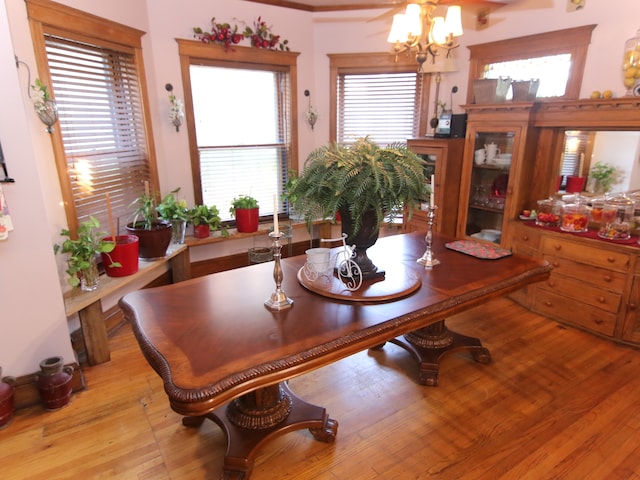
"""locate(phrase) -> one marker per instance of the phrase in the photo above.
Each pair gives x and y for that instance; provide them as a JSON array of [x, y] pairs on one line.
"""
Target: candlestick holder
[[278, 299], [427, 258]]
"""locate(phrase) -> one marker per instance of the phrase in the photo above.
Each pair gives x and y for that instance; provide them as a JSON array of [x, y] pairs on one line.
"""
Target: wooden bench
[[88, 305]]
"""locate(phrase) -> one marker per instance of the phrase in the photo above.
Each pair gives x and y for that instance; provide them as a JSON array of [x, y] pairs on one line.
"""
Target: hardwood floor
[[555, 403]]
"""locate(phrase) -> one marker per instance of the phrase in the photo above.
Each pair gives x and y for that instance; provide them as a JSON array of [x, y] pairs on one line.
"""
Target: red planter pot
[[247, 220], [575, 184], [125, 253], [202, 230]]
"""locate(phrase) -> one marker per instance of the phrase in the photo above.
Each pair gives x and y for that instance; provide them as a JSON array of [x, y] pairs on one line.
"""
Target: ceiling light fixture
[[418, 30]]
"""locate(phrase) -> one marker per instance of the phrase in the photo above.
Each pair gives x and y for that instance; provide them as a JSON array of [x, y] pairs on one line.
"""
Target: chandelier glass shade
[[418, 30]]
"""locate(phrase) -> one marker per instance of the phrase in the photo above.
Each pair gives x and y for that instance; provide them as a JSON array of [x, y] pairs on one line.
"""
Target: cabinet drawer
[[586, 254], [555, 306], [525, 240], [602, 277], [578, 292]]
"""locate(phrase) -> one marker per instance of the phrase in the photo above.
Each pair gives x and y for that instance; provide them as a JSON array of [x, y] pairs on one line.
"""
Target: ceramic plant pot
[[153, 242], [247, 220], [54, 383], [125, 253]]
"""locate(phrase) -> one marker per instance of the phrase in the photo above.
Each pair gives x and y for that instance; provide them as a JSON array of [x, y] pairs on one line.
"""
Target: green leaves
[[83, 248], [361, 176]]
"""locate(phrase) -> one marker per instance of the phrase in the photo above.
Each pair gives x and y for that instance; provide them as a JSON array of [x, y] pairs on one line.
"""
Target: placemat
[[478, 249]]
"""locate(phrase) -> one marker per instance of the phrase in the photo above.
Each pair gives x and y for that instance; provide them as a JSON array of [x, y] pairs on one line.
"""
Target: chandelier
[[417, 29]]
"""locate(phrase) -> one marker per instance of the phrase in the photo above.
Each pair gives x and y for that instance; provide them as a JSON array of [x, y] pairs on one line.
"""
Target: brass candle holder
[[427, 259], [278, 299]]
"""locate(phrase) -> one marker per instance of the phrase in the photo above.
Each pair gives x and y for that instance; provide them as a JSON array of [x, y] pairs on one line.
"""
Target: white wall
[[34, 329]]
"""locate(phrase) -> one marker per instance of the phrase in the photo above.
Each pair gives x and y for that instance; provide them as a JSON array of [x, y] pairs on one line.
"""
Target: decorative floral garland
[[261, 35]]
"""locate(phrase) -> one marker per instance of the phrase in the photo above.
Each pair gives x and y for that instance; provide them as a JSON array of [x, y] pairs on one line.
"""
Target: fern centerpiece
[[365, 183]]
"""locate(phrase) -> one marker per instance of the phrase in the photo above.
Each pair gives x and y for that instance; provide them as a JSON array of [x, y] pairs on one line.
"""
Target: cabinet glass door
[[492, 159]]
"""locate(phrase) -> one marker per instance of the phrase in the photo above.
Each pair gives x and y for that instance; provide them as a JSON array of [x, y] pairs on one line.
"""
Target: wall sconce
[[45, 107], [176, 112], [311, 115]]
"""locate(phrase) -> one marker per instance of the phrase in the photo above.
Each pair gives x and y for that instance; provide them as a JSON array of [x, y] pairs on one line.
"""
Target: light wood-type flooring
[[555, 403]]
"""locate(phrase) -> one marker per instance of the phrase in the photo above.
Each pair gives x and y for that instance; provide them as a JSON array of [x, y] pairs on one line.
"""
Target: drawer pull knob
[[632, 306], [611, 259], [552, 283], [607, 278], [601, 300], [599, 321], [558, 247], [556, 264], [525, 237], [548, 303]]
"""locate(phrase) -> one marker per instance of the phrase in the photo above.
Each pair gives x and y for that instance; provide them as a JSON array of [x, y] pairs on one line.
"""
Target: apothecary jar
[[575, 216], [617, 217]]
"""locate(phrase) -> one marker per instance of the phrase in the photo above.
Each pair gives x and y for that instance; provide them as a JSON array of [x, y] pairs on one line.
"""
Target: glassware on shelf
[[548, 213], [617, 218], [631, 65], [575, 216]]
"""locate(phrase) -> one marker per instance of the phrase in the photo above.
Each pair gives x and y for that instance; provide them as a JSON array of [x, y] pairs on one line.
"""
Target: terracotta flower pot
[[125, 253], [247, 220]]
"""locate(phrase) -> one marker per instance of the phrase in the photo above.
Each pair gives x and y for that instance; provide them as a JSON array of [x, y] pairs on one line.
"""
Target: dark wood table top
[[212, 339]]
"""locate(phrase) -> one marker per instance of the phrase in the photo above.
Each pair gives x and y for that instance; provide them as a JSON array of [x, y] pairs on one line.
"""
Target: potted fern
[[246, 211], [363, 183], [154, 234], [83, 249]]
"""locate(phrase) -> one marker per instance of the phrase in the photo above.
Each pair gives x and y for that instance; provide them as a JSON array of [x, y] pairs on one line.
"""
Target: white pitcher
[[492, 151]]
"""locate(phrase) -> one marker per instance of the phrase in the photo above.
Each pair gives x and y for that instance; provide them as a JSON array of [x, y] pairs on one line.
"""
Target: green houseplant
[[175, 211], [154, 233], [205, 220], [603, 176], [245, 209], [365, 184], [82, 249]]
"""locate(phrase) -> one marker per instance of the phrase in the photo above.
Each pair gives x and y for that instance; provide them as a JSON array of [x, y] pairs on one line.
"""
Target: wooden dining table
[[224, 356]]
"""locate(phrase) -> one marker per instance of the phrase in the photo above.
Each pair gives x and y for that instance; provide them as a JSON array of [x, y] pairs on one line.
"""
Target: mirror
[[582, 149]]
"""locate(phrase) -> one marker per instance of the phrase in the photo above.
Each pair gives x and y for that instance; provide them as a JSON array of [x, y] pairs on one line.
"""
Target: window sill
[[263, 229]]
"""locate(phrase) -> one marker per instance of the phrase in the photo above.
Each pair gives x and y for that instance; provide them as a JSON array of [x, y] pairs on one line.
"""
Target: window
[[556, 58], [100, 142], [373, 95], [241, 131]]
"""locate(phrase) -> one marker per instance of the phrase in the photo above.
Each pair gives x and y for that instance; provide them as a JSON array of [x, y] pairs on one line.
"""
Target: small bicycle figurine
[[348, 271]]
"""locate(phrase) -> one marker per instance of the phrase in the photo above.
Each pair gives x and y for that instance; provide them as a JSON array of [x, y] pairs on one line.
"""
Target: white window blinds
[[101, 123], [383, 106]]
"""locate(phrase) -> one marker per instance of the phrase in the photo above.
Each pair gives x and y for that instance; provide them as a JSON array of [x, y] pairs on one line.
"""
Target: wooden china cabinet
[[443, 158], [493, 188], [595, 283]]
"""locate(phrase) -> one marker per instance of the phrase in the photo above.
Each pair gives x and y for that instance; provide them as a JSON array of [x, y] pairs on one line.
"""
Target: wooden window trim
[[574, 41], [194, 52], [50, 17], [354, 63]]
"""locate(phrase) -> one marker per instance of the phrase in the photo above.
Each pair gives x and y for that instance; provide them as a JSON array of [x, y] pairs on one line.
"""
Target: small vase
[[7, 391], [90, 277], [54, 383], [178, 230]]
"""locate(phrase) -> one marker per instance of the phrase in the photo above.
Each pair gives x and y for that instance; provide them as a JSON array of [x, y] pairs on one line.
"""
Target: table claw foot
[[327, 433], [233, 475], [429, 378], [481, 355], [193, 422]]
